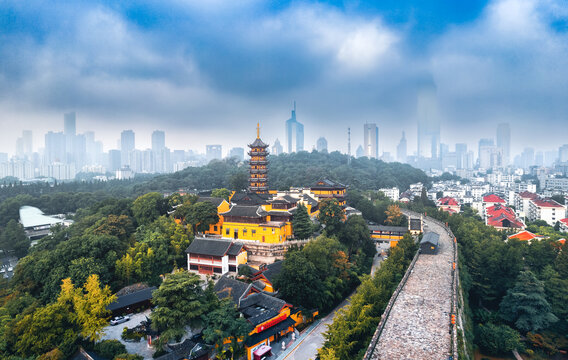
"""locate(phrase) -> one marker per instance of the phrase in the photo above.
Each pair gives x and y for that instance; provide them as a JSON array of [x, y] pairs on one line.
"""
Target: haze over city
[[207, 72]]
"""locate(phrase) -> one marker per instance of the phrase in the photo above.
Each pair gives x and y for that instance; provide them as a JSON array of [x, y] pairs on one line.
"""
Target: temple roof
[[257, 143]]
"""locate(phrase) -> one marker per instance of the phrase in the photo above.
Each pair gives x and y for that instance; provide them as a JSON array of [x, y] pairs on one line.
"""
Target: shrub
[[110, 348]]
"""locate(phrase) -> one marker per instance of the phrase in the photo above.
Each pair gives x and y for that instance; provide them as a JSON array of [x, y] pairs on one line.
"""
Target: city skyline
[[119, 67]]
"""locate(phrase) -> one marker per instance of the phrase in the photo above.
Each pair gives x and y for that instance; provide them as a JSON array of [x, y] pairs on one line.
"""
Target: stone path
[[419, 324]]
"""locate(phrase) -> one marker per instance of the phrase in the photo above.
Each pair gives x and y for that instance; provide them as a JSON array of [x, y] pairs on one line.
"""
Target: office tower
[[461, 154], [20, 148], [277, 148], [490, 156], [213, 152], [237, 153], [359, 152], [27, 143], [158, 141], [563, 153], [90, 148], [178, 156], [504, 141], [401, 149], [550, 157], [55, 147], [527, 158], [371, 140], [3, 157], [428, 122], [70, 130], [127, 144], [539, 158], [294, 133], [79, 151], [114, 160], [321, 144]]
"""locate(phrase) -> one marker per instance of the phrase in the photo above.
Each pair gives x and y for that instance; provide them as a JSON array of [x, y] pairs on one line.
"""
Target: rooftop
[[31, 217], [212, 247], [547, 203], [493, 199]]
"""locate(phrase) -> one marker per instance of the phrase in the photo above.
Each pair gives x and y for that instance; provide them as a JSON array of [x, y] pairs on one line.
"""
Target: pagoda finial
[[258, 130]]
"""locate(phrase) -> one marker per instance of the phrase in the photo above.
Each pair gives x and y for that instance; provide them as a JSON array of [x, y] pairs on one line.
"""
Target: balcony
[[258, 162], [258, 171], [258, 153]]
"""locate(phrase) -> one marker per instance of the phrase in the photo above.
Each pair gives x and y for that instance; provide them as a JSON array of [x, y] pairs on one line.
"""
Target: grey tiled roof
[[212, 247]]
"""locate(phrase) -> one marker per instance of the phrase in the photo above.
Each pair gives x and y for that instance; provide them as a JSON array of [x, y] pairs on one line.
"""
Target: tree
[[394, 215], [497, 339], [225, 323], [526, 306], [180, 302], [355, 235], [331, 215], [221, 193], [301, 223], [148, 208], [201, 215], [299, 282], [14, 239], [110, 348], [239, 180]]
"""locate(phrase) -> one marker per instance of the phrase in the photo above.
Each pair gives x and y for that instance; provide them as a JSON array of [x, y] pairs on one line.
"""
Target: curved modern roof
[[31, 217]]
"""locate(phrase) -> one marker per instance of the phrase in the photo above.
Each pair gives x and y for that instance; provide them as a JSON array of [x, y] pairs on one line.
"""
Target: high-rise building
[[277, 148], [488, 157], [563, 153], [27, 140], [428, 122], [127, 145], [321, 144], [294, 133], [359, 152], [213, 152], [70, 131], [527, 158], [158, 141], [371, 140], [114, 160], [55, 148], [237, 153], [461, 156], [258, 181], [504, 141], [401, 149]]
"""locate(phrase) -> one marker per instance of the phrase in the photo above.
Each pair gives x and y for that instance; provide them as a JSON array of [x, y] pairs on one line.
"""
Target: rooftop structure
[[258, 181]]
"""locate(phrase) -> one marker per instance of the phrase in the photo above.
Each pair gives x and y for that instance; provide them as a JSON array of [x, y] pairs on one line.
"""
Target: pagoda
[[258, 181]]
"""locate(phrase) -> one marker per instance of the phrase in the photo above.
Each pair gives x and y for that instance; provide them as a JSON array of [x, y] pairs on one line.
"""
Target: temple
[[258, 181]]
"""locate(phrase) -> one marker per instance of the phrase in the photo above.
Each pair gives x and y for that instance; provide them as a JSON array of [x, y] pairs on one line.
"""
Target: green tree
[[180, 302], [221, 193], [497, 339], [226, 323], [201, 215], [356, 236], [148, 208], [525, 305], [301, 223], [331, 215], [299, 282], [14, 239], [394, 215], [110, 348], [239, 180]]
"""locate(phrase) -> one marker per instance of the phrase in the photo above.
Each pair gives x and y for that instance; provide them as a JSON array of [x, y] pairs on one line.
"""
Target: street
[[308, 347]]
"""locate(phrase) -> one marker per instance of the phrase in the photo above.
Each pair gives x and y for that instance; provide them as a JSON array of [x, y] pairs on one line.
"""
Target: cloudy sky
[[207, 71]]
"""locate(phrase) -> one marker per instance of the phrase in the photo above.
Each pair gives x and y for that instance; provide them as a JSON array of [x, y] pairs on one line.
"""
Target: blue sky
[[207, 71]]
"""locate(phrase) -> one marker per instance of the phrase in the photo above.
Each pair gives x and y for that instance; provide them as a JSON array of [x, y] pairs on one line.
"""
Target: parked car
[[119, 320], [10, 268]]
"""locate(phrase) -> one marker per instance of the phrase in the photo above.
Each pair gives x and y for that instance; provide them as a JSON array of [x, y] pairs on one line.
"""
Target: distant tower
[[371, 141], [127, 145], [428, 121], [277, 148], [401, 150], [258, 181], [322, 144], [294, 133], [504, 141]]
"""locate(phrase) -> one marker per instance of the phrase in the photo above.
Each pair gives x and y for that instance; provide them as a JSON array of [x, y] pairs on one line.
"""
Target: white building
[[522, 200], [124, 173], [392, 193], [547, 210]]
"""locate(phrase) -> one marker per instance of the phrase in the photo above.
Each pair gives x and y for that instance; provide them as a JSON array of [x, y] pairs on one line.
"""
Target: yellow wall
[[242, 258], [271, 234], [223, 207]]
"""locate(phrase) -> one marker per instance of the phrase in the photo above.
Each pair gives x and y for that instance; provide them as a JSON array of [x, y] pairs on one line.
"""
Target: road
[[307, 348]]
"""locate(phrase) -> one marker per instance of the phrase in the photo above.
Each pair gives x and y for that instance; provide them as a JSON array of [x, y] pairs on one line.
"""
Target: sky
[[206, 72]]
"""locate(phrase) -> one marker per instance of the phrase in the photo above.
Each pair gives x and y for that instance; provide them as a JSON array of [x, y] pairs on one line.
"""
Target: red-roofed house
[[546, 209], [492, 199], [448, 204], [502, 217], [564, 225], [525, 236]]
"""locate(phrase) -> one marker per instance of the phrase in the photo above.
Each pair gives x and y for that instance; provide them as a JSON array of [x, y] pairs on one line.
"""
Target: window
[[253, 231], [273, 230], [215, 228], [227, 231], [264, 229], [193, 267], [245, 230]]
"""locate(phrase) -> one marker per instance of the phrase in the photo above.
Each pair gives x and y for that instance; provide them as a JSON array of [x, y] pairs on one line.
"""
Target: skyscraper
[[69, 130], [461, 155], [371, 141], [54, 147], [504, 141], [294, 133], [158, 141], [237, 153], [401, 149], [321, 144], [359, 152], [277, 148], [213, 152], [127, 145], [428, 122], [27, 143]]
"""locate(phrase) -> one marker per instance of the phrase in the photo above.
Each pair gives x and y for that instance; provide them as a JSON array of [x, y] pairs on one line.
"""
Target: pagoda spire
[[258, 130]]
